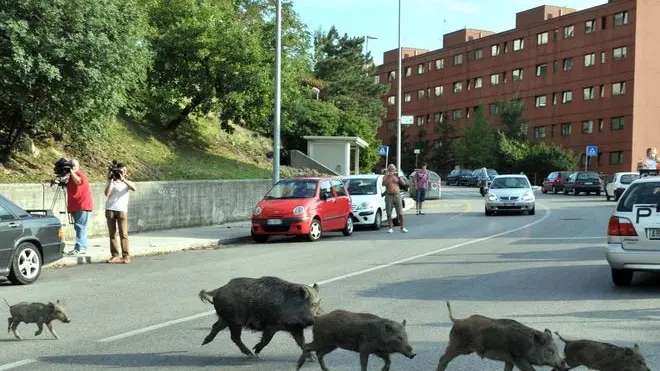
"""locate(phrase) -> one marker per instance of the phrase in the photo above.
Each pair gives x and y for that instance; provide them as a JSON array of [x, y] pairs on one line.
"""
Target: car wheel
[[543, 190], [616, 198], [489, 212], [597, 193], [565, 191], [607, 196], [260, 238], [26, 265], [554, 189], [314, 230], [378, 221], [532, 211], [622, 277], [348, 228], [575, 192]]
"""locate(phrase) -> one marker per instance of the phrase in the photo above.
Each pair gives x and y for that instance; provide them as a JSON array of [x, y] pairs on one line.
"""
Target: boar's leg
[[387, 360], [453, 350], [215, 329], [236, 331], [40, 329], [266, 337], [52, 331], [298, 334], [508, 366], [524, 365], [364, 359], [14, 327], [322, 353], [9, 321]]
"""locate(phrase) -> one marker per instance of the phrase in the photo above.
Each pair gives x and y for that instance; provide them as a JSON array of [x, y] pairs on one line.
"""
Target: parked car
[[619, 183], [29, 239], [473, 179], [303, 206], [368, 199], [555, 181], [452, 177], [510, 193], [583, 181], [633, 231], [463, 177], [434, 188]]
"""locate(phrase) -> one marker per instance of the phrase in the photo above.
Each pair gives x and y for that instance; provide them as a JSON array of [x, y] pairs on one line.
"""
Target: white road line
[[20, 363], [361, 272], [563, 238]]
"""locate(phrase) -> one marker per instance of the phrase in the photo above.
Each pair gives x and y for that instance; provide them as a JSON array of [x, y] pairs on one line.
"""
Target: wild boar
[[503, 340], [267, 305], [38, 313], [364, 333], [602, 356]]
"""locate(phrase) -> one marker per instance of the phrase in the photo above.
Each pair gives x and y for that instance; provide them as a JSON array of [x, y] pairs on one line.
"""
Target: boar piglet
[[602, 356], [266, 305], [503, 340], [360, 332], [38, 313]]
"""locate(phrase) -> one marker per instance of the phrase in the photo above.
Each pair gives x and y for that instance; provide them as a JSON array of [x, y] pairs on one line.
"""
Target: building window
[[539, 132], [408, 71], [456, 114], [565, 130], [479, 54], [419, 120], [569, 32], [420, 68], [620, 19], [495, 79], [494, 108], [391, 100], [420, 94], [495, 50], [541, 69], [587, 127], [478, 83], [602, 91], [518, 44], [590, 26], [439, 90], [601, 125], [391, 75], [589, 93], [517, 74], [617, 123], [439, 117], [407, 97], [568, 64], [590, 60], [439, 64], [603, 57], [458, 59], [458, 87], [554, 99], [616, 158], [542, 38], [377, 79], [567, 96], [620, 53], [619, 88], [552, 130], [541, 100]]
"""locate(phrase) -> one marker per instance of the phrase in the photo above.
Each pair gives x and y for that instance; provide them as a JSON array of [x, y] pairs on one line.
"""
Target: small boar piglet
[[267, 305], [504, 340], [600, 356], [38, 313], [364, 333]]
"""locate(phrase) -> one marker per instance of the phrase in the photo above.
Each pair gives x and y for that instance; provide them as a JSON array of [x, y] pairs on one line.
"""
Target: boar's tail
[[451, 316], [561, 338], [206, 296], [9, 305]]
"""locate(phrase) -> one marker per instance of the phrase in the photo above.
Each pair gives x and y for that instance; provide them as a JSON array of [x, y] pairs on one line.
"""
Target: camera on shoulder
[[115, 170]]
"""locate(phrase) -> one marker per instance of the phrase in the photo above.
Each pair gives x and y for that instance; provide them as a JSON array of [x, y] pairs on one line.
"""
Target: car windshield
[[509, 183], [638, 194], [361, 186], [295, 188], [628, 178], [587, 176]]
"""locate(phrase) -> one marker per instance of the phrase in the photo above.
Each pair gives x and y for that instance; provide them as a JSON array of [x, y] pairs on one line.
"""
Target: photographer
[[80, 205], [392, 183], [116, 211]]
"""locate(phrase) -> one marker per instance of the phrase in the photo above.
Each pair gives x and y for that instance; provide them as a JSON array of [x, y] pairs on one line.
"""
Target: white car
[[367, 193], [633, 231], [510, 192], [619, 183]]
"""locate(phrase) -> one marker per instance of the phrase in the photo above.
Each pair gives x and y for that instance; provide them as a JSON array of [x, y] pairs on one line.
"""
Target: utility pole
[[398, 100], [278, 95]]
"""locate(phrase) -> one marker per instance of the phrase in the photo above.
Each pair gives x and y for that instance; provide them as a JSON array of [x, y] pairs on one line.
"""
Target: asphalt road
[[545, 270]]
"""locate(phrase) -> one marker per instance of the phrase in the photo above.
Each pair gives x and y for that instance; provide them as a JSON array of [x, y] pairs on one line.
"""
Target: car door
[[11, 228], [570, 182], [327, 208], [547, 184], [343, 203], [614, 184]]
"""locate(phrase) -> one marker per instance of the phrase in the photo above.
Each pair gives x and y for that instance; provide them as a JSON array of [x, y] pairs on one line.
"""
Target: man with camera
[[79, 204], [116, 211], [392, 183]]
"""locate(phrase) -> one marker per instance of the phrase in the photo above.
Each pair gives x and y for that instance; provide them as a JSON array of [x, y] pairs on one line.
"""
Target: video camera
[[115, 170], [61, 169]]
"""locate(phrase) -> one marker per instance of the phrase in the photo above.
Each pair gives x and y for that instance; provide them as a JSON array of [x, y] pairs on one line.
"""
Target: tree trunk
[[174, 124]]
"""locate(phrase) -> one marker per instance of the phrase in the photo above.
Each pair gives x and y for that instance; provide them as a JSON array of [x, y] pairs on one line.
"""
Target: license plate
[[508, 204], [274, 221], [588, 183], [654, 233]]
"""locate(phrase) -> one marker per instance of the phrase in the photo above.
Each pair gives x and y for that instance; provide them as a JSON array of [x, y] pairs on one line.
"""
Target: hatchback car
[[367, 196], [633, 231], [583, 181], [510, 193], [303, 207], [29, 239], [555, 181], [619, 183]]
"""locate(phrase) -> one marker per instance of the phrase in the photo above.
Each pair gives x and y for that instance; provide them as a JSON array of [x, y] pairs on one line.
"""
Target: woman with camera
[[116, 211]]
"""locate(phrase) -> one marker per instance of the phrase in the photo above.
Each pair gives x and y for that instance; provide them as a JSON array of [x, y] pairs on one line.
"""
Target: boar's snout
[[409, 352]]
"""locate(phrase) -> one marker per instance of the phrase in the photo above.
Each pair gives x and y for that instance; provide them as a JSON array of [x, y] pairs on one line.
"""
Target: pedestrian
[[116, 212], [80, 205], [392, 183], [421, 183]]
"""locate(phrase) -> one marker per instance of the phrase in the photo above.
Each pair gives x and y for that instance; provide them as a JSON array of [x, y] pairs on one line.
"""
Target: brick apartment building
[[589, 77]]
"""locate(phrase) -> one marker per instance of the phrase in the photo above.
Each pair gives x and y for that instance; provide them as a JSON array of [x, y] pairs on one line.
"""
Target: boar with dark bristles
[[599, 356], [38, 313]]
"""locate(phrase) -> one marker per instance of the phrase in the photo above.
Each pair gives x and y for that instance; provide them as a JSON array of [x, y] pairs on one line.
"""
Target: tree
[[476, 147], [443, 158], [67, 66], [511, 114]]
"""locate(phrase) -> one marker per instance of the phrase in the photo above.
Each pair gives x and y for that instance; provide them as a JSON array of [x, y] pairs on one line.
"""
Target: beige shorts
[[393, 200]]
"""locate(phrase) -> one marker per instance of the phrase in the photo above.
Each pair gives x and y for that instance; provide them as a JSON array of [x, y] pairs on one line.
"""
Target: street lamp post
[[278, 94], [366, 42], [398, 101]]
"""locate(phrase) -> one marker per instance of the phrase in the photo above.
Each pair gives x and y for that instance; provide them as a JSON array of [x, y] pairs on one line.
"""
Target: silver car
[[510, 193]]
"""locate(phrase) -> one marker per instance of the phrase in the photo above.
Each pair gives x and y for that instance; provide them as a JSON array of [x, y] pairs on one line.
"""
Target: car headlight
[[527, 196], [491, 197], [299, 210], [365, 205], [257, 210]]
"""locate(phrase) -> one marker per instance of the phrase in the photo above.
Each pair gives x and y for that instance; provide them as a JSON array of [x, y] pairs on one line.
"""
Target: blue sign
[[592, 151], [383, 150]]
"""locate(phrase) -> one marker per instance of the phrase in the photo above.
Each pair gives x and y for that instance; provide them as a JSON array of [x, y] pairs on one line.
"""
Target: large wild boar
[[360, 332], [602, 356], [503, 340], [38, 313], [267, 305]]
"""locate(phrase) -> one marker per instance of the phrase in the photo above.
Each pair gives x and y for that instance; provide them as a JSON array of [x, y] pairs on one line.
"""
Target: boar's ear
[[636, 347], [315, 287], [403, 323], [303, 293]]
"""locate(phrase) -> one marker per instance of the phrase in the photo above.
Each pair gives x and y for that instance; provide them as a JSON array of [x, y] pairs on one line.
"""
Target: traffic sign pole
[[591, 151]]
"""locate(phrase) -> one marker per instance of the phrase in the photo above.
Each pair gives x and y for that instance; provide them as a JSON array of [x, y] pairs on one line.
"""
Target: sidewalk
[[165, 241]]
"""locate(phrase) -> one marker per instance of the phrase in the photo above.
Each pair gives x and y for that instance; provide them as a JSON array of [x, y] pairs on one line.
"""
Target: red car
[[303, 207], [555, 181]]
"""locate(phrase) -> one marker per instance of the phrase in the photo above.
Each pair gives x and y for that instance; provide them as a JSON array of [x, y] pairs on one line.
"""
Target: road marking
[[563, 238], [20, 363], [339, 278]]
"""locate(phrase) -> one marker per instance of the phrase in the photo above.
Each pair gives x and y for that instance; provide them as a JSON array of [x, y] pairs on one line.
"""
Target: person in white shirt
[[116, 212], [651, 160]]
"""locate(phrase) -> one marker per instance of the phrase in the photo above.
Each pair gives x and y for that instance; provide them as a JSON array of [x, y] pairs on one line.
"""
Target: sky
[[423, 22]]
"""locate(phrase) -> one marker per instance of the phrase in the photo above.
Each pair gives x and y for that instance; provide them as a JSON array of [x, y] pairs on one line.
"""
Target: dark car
[[29, 239], [555, 181], [452, 178], [463, 177], [583, 181], [473, 179]]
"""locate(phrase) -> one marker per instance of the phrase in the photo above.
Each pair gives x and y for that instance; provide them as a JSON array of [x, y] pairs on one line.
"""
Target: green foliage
[[443, 158], [476, 147], [512, 114]]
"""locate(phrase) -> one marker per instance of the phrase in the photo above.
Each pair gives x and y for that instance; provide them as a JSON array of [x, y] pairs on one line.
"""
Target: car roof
[[649, 179], [512, 176]]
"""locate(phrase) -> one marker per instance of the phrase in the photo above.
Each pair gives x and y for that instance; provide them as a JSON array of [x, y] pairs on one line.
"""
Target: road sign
[[417, 151], [592, 151], [383, 151], [407, 120]]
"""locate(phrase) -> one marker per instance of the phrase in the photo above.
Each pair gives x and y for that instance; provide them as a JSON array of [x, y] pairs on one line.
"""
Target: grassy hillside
[[203, 151]]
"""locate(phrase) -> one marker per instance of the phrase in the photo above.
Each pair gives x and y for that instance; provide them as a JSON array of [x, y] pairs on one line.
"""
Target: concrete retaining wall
[[156, 205]]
